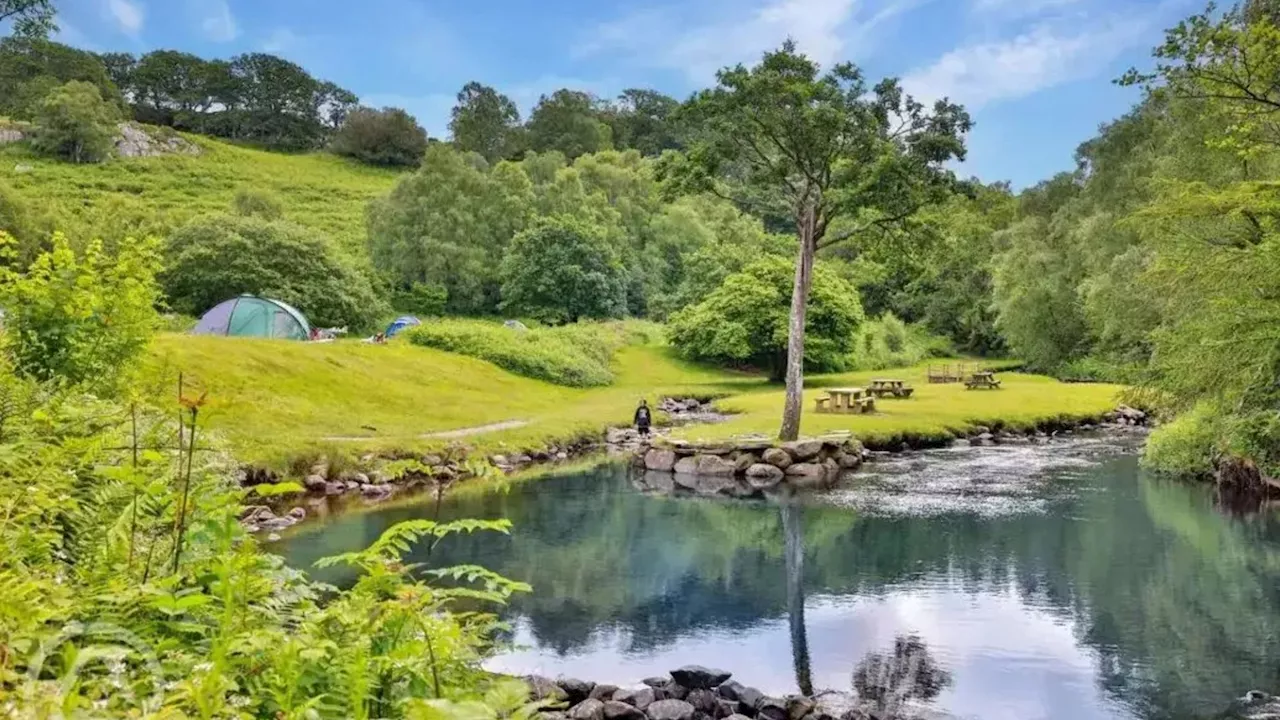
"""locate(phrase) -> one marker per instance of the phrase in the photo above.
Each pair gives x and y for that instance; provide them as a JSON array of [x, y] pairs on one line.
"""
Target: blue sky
[[1036, 74]]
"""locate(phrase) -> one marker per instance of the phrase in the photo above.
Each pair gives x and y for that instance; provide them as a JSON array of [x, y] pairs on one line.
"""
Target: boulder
[[614, 710], [850, 461], [736, 716], [672, 710], [743, 461], [674, 691], [764, 477], [725, 708], [770, 708], [314, 483], [704, 701], [1258, 705], [777, 457], [603, 691], [686, 465], [749, 699], [660, 460], [715, 466], [697, 677], [578, 690], [298, 514], [543, 688], [587, 710], [802, 450], [642, 698], [806, 470], [656, 682]]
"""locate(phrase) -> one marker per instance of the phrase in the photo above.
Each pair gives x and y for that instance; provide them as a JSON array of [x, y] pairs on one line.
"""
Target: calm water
[[1035, 581]]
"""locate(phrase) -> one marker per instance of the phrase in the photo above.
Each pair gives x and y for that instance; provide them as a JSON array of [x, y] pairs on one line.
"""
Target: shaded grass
[[156, 195], [277, 400]]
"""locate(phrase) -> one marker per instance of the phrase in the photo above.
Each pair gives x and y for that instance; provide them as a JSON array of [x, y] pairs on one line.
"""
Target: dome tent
[[249, 316], [401, 323]]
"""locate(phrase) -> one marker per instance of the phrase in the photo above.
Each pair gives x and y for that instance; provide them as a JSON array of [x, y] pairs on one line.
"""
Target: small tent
[[399, 324], [249, 316]]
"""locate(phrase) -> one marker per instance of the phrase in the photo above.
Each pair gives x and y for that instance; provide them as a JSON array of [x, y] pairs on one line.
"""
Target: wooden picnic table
[[885, 387], [983, 379], [846, 400]]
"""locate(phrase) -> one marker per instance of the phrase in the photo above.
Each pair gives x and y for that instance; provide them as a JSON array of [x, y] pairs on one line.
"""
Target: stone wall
[[747, 467]]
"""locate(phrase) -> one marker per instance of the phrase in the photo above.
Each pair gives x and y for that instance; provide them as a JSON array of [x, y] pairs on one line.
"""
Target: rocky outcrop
[[695, 693], [749, 466], [135, 140]]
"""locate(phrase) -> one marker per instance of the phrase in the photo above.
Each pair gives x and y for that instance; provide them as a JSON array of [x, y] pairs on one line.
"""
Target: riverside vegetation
[[743, 220]]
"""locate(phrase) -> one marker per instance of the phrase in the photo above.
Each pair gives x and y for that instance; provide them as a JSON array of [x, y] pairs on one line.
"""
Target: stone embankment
[[745, 467], [692, 692]]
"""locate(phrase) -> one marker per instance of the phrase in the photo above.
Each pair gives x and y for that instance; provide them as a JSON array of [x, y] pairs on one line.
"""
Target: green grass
[[155, 195], [576, 355], [275, 401]]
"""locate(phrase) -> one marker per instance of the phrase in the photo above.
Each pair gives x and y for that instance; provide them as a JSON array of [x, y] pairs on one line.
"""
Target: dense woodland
[[827, 232]]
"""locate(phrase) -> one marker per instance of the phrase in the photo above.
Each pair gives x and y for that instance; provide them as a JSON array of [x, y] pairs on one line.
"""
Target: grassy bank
[[277, 400], [154, 195]]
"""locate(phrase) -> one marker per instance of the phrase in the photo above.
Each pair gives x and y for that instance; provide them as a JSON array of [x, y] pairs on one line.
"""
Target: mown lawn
[[274, 400], [155, 195]]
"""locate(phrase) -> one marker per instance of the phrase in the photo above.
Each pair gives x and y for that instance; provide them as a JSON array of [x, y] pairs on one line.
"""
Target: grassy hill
[[125, 196], [274, 400]]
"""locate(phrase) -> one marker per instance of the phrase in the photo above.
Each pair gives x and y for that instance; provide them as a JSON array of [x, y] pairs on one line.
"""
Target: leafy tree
[[28, 18], [80, 318], [43, 65], [745, 321], [567, 121], [643, 120], [76, 124], [381, 137], [447, 226], [120, 68], [486, 122], [215, 258], [842, 160], [562, 270]]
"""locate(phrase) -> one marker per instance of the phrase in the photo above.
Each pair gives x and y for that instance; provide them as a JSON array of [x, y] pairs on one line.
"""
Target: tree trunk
[[795, 341], [793, 554]]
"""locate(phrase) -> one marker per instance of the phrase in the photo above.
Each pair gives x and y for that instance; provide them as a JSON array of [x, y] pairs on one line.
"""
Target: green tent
[[249, 316]]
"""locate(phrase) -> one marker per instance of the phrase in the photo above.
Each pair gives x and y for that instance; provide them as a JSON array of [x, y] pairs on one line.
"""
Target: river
[[1050, 581]]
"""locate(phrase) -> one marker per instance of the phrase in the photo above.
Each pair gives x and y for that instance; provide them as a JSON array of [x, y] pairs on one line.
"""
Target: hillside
[[274, 400], [125, 196]]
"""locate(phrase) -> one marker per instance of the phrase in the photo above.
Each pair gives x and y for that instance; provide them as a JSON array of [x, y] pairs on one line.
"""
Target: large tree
[[642, 120], [485, 121], [28, 18], [570, 122], [842, 160]]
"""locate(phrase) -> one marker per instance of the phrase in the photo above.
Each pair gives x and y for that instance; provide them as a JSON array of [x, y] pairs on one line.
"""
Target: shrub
[[381, 137], [80, 318], [76, 124], [887, 342], [745, 320], [572, 355], [1186, 446], [257, 203], [16, 220], [218, 257], [562, 270]]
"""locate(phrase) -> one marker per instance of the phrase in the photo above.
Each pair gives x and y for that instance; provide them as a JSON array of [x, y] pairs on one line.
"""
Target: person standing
[[643, 418]]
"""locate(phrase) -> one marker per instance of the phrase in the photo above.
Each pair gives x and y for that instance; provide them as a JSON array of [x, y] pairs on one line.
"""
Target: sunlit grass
[[156, 195], [273, 400]]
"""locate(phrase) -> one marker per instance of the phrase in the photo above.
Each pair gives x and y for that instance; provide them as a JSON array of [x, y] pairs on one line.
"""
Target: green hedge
[[573, 355]]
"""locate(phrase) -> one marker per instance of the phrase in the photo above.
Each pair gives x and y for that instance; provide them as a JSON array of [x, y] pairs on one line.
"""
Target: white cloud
[[1034, 60], [128, 15], [699, 44], [282, 40], [216, 20]]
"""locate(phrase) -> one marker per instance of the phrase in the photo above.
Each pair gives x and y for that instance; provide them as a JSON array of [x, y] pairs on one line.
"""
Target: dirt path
[[443, 435]]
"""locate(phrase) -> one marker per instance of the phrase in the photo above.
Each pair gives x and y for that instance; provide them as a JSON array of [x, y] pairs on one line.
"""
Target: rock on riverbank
[[745, 467], [692, 692]]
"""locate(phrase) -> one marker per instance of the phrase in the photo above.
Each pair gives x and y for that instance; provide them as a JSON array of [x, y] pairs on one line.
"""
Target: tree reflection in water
[[891, 680], [793, 553]]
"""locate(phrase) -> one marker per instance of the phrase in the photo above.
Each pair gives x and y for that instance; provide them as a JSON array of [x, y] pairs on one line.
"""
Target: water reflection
[[1049, 582], [892, 681]]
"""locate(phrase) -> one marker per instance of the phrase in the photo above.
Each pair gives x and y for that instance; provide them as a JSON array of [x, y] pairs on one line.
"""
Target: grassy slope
[[318, 190], [275, 399]]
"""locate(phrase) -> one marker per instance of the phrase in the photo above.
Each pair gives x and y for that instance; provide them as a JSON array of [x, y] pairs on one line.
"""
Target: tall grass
[[573, 355], [888, 342]]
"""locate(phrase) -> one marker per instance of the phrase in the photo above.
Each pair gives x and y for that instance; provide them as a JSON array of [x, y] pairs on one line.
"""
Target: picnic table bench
[[983, 380], [891, 388], [846, 401]]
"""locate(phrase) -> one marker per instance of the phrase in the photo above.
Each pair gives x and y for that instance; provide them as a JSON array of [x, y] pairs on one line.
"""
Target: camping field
[[275, 401]]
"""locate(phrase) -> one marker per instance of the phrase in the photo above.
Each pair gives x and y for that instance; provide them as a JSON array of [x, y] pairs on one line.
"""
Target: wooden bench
[[823, 404]]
